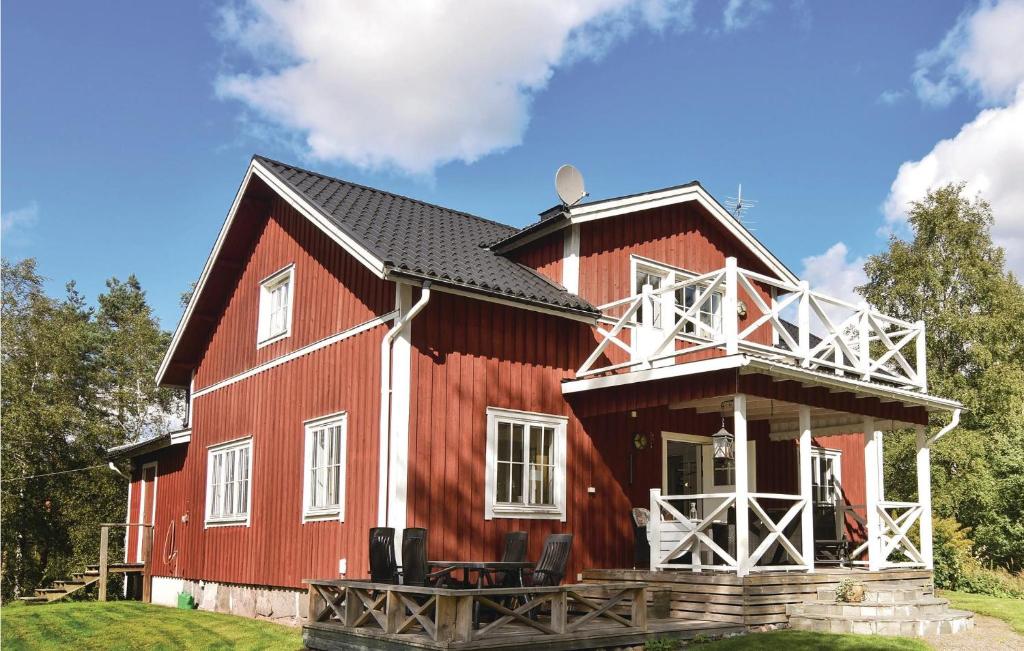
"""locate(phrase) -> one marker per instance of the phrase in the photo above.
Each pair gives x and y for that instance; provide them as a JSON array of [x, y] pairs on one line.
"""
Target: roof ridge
[[387, 192]]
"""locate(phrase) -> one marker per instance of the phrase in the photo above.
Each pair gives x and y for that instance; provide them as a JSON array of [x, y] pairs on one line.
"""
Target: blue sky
[[127, 126]]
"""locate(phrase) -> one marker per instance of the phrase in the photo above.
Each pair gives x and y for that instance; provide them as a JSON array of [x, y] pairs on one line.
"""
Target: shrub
[[957, 567]]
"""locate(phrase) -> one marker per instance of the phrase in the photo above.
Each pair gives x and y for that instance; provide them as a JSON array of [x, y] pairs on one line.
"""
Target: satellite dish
[[569, 185]]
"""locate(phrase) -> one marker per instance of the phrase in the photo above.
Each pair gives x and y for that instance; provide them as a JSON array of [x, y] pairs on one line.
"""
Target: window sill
[[274, 339], [233, 522], [322, 516], [527, 513]]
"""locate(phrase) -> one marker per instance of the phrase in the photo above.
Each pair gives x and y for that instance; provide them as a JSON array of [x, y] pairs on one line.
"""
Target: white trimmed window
[[525, 465], [276, 293], [229, 482], [324, 469], [658, 275], [826, 475]]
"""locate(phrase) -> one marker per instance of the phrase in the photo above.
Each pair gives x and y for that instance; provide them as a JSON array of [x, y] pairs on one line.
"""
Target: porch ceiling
[[783, 416]]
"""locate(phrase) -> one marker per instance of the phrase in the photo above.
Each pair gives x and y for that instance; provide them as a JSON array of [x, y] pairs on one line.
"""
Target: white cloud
[[981, 53], [15, 222], [834, 273], [988, 154], [891, 97], [415, 85], [740, 14]]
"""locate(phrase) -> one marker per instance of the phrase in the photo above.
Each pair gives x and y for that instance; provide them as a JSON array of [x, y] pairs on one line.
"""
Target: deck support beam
[[924, 494], [807, 515], [872, 440], [739, 416]]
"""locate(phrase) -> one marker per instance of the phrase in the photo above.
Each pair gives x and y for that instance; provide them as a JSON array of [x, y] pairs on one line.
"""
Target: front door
[[147, 504]]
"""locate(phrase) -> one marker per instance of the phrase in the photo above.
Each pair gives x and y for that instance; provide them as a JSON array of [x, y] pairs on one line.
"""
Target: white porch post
[[807, 515], [924, 494], [730, 320], [871, 473], [739, 415], [654, 528]]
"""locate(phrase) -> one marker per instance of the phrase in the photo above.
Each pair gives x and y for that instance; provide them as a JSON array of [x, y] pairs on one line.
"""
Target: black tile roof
[[417, 239]]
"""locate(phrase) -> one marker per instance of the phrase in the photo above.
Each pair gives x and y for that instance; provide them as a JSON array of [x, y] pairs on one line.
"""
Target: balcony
[[734, 310]]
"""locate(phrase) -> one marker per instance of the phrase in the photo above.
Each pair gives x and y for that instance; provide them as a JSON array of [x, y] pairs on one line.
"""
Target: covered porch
[[767, 403]]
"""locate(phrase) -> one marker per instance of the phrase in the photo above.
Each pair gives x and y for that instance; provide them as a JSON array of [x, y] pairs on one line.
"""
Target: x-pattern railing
[[895, 522], [447, 615], [674, 535], [853, 340]]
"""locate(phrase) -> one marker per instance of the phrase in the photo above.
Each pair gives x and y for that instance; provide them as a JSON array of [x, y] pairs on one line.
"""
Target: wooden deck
[[753, 600], [363, 615], [325, 636]]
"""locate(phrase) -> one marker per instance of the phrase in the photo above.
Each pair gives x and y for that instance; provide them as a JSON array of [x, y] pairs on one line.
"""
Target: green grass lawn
[[132, 625], [1010, 611], [808, 641]]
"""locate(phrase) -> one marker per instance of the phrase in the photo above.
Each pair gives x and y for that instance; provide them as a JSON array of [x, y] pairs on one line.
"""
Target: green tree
[[950, 275], [76, 381]]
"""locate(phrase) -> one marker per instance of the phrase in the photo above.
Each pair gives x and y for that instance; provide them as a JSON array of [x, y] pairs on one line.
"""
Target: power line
[[51, 474]]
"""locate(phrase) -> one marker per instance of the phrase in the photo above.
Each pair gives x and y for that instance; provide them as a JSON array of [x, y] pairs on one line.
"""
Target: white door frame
[[142, 504], [668, 437]]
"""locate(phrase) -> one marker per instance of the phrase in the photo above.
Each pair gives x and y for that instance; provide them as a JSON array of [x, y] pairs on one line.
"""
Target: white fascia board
[[613, 207], [660, 373], [843, 383], [509, 302], [304, 208]]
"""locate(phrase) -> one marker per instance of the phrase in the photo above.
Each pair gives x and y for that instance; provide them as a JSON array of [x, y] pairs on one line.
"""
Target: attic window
[[275, 320]]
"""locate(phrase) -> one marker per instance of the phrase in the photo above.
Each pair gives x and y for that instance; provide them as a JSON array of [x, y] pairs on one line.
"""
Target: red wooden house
[[354, 358]]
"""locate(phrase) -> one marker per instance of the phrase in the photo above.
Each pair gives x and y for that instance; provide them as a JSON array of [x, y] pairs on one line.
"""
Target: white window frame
[[318, 514], [493, 509], [836, 477], [285, 276], [671, 275], [234, 519]]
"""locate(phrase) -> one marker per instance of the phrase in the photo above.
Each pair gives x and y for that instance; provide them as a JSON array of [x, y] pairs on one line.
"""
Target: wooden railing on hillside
[[854, 340]]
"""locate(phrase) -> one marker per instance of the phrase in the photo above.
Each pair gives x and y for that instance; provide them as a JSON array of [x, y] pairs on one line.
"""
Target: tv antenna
[[738, 206], [569, 185]]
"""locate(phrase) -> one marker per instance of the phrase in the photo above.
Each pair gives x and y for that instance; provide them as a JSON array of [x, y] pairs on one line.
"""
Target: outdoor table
[[480, 568]]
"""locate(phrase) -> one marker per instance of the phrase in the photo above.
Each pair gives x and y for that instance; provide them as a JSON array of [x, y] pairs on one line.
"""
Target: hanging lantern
[[722, 441]]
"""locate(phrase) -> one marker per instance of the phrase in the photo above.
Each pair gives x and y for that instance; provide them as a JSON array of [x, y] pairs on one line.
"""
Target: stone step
[[923, 606], [882, 592], [947, 623]]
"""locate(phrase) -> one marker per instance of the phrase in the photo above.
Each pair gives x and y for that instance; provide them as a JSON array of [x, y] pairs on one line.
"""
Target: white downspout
[[385, 399], [947, 429]]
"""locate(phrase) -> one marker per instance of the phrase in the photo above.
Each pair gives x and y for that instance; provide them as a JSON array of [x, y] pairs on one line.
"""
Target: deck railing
[[445, 615], [853, 340], [675, 535]]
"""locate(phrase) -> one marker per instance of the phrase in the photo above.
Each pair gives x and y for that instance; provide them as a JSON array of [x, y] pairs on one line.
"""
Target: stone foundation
[[280, 605]]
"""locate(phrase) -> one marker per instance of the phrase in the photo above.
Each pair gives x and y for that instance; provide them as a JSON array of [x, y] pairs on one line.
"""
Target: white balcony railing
[[852, 340]]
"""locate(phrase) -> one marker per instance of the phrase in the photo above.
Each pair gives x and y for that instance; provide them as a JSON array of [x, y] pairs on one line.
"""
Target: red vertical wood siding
[[544, 255], [332, 291]]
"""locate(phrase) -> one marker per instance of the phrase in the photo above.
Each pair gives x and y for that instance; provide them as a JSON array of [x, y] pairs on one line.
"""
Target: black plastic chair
[[415, 565], [383, 567], [516, 543], [550, 569]]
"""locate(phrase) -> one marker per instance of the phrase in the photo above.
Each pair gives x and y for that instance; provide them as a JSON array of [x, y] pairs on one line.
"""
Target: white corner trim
[[304, 208], [560, 425], [571, 259], [305, 350], [613, 207]]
